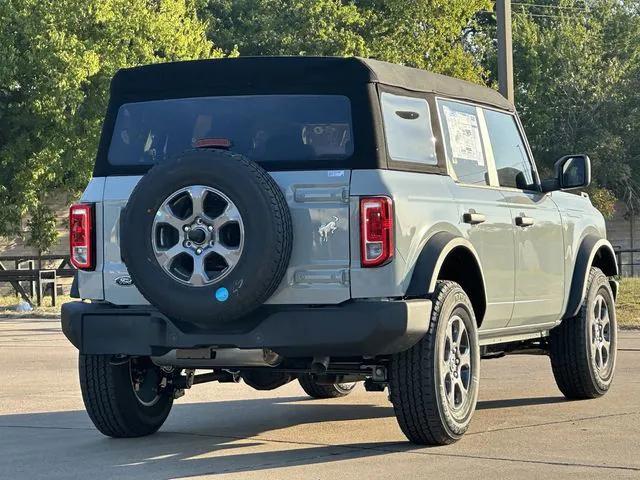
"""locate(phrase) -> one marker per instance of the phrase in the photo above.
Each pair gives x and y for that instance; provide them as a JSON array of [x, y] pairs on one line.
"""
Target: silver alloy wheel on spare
[[456, 368], [600, 335], [197, 235]]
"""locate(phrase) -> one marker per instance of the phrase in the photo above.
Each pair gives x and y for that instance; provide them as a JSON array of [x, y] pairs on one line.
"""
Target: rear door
[[539, 260]]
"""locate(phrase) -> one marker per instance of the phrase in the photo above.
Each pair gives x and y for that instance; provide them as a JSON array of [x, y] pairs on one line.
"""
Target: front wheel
[[434, 384], [124, 398], [583, 349]]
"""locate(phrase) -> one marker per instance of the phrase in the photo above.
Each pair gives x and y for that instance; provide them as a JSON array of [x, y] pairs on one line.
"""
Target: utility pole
[[505, 50]]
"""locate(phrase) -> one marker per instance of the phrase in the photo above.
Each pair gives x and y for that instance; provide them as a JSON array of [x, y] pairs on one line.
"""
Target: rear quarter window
[[407, 129]]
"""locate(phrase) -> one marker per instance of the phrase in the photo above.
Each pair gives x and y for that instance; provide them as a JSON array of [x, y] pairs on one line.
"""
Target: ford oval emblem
[[124, 281]]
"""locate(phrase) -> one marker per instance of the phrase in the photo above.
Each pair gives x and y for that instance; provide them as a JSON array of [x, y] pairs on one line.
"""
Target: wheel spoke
[[199, 275], [463, 388], [165, 215], [230, 214], [465, 358], [165, 257], [197, 194]]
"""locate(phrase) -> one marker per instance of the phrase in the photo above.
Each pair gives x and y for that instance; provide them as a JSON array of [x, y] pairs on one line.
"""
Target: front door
[[539, 244]]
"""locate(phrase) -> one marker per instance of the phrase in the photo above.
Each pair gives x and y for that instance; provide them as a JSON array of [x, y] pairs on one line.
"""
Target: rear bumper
[[350, 329]]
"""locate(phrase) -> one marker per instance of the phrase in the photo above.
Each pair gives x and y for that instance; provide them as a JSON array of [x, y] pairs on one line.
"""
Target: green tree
[[58, 57], [42, 229], [424, 33], [576, 74]]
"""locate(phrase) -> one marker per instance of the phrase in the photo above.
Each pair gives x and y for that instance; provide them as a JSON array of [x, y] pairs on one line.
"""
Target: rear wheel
[[124, 399], [316, 390], [434, 384], [583, 349]]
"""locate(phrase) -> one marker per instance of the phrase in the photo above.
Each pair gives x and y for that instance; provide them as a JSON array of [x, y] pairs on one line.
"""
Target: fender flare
[[590, 247], [429, 264]]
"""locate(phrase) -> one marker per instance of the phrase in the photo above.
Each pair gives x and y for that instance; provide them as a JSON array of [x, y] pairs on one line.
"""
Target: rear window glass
[[265, 128]]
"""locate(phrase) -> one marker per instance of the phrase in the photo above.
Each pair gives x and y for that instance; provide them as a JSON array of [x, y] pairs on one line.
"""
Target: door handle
[[523, 221], [474, 218]]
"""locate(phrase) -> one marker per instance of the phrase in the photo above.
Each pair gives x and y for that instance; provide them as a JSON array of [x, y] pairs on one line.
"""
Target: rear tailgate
[[318, 272]]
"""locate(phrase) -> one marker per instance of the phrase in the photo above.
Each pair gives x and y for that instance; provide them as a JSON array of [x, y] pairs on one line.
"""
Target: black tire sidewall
[[456, 302], [249, 281]]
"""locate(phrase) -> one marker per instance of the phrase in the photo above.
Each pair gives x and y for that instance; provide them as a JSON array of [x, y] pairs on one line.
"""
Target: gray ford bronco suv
[[330, 221]]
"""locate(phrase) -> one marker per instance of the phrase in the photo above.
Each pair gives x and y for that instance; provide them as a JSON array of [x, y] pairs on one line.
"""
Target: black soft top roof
[[254, 72]]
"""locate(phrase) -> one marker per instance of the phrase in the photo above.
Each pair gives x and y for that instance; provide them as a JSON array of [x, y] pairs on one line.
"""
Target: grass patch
[[628, 303], [8, 305]]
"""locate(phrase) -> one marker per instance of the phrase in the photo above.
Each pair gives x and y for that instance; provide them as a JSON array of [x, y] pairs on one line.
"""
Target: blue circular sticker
[[222, 294]]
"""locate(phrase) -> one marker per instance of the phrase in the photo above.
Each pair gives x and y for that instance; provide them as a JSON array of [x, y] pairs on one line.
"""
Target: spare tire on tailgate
[[206, 237]]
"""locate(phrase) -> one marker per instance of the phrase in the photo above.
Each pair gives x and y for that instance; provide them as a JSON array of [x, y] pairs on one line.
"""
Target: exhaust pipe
[[319, 365]]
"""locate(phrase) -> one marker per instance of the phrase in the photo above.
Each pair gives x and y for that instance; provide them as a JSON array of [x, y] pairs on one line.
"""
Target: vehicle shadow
[[201, 439], [518, 402]]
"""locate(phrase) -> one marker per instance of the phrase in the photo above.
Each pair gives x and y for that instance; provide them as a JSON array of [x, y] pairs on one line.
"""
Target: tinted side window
[[463, 142], [407, 128], [509, 152]]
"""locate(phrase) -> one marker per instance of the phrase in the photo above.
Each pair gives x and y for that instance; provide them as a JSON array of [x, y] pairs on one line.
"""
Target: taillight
[[376, 231], [81, 236]]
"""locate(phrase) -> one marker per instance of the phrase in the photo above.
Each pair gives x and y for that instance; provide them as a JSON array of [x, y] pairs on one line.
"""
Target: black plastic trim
[[365, 328]]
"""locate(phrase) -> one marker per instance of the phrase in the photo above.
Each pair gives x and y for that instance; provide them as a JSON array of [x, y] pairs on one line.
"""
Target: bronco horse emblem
[[328, 229]]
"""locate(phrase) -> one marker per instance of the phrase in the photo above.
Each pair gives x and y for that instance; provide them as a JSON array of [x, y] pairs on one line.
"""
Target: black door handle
[[523, 221], [474, 218]]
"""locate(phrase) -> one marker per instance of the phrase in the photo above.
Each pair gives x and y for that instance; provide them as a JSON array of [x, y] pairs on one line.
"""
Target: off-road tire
[[570, 351], [415, 383], [111, 403], [315, 390]]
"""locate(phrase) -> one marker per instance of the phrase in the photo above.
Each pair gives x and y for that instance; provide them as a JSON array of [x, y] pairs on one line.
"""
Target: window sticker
[[464, 136]]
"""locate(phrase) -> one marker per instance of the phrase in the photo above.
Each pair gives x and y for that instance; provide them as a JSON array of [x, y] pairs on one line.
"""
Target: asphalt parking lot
[[523, 427]]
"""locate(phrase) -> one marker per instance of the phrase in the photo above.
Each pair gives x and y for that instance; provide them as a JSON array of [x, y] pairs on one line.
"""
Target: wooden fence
[[26, 271]]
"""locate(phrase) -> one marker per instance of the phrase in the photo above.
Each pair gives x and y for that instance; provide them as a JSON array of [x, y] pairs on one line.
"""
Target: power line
[[542, 15], [541, 5]]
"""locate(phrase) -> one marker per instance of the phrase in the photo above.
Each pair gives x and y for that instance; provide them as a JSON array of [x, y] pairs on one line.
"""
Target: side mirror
[[571, 172]]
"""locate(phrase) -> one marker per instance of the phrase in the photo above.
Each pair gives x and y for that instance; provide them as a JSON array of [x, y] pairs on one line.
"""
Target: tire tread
[[568, 351], [412, 377]]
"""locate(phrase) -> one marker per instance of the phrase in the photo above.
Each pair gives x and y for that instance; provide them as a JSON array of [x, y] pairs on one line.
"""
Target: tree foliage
[[577, 73], [42, 228], [577, 77], [58, 57], [424, 33]]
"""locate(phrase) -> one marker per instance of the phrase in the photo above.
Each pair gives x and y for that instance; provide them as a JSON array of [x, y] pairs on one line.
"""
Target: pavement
[[523, 427]]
